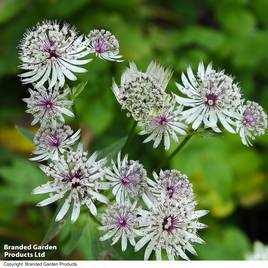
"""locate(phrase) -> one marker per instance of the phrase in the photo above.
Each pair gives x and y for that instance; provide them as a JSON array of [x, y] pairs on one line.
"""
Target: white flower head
[[212, 96], [120, 222], [51, 52], [77, 179], [163, 124], [171, 186], [48, 104], [259, 253], [104, 45], [51, 140], [252, 122], [128, 179], [140, 93], [170, 227]]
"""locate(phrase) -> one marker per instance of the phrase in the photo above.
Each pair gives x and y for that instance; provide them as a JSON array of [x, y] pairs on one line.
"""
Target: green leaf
[[73, 240], [10, 8], [54, 228], [20, 178], [89, 244], [59, 8], [97, 115], [204, 161], [112, 150], [78, 89], [26, 133], [235, 20], [228, 243]]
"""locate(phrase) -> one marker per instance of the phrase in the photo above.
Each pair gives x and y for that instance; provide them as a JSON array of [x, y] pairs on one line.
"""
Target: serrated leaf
[[26, 133]]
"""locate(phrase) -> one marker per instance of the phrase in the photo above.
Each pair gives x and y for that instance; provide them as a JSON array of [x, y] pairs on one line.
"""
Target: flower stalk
[[130, 137], [181, 145]]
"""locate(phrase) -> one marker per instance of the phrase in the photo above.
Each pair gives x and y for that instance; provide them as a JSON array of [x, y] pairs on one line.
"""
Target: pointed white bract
[[128, 179], [259, 253], [77, 179], [171, 186], [52, 52], [142, 92], [104, 45], [212, 98], [48, 104], [163, 124], [52, 140], [171, 227], [252, 122], [120, 222]]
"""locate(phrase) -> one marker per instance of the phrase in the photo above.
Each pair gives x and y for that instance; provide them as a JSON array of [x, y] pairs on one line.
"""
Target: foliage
[[228, 177]]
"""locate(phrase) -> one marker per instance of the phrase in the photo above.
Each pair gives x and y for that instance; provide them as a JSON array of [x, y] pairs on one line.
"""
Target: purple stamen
[[122, 221], [171, 189], [161, 120], [211, 100], [169, 223], [125, 180], [77, 176], [100, 47], [50, 48], [54, 141], [249, 119], [47, 104]]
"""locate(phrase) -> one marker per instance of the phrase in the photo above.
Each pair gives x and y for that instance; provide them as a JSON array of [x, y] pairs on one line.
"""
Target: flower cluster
[[157, 212], [121, 222], [213, 101], [128, 179], [48, 104], [53, 140], [165, 218], [77, 178], [50, 53], [170, 227], [214, 98], [252, 121], [259, 253], [144, 96], [104, 44]]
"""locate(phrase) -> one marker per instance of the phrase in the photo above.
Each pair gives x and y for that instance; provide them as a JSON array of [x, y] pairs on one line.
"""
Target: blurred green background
[[230, 179]]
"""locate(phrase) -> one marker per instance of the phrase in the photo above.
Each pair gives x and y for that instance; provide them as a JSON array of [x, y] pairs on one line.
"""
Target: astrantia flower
[[52, 140], [141, 93], [76, 178], [52, 52], [172, 186], [170, 227], [211, 97], [121, 221], [48, 104], [128, 179], [104, 45], [260, 252], [252, 122], [162, 124]]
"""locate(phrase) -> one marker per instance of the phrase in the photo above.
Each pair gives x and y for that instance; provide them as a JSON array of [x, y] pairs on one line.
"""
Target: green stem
[[75, 110], [181, 145], [130, 136]]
